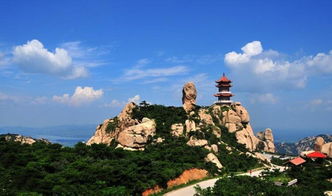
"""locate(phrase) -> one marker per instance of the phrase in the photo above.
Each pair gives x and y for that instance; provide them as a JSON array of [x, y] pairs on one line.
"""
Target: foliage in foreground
[[93, 170], [312, 181]]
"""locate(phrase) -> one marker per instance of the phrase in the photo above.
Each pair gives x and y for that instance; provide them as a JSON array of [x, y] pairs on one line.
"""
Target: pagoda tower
[[223, 94]]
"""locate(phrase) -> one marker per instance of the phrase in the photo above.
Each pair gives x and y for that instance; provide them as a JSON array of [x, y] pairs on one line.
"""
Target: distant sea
[[69, 135]]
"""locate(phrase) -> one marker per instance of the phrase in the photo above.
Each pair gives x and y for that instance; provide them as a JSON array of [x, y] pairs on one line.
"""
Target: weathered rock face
[[319, 142], [213, 159], [327, 149], [196, 142], [236, 119], [323, 147], [177, 129], [267, 142], [189, 94], [137, 136], [128, 132]]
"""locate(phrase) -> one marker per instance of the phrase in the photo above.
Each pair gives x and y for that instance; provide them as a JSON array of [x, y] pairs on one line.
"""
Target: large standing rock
[[137, 136], [267, 141], [319, 142], [189, 94], [327, 149]]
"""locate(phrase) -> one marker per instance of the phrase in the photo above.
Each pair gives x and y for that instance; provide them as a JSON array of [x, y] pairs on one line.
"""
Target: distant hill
[[22, 139], [304, 144]]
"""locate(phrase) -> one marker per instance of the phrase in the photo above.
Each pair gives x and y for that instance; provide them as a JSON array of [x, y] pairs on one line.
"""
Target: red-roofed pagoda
[[224, 95]]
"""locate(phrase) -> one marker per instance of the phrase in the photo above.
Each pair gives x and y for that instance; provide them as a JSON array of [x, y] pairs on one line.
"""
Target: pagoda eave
[[223, 95]]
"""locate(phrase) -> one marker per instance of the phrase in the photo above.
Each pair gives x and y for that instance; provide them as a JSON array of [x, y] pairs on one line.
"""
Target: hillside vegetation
[[99, 169]]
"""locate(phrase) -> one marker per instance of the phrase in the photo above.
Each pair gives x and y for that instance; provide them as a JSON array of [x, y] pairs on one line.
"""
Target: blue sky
[[79, 62]]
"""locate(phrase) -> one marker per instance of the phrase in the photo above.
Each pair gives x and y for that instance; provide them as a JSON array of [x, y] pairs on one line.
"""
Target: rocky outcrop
[[177, 129], [327, 149], [237, 120], [319, 142], [189, 94], [128, 132], [323, 147], [267, 141], [134, 134], [137, 136], [213, 159], [22, 139], [196, 142]]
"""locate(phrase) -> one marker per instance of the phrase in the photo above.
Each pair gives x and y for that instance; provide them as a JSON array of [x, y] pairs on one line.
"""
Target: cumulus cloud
[[81, 96], [33, 57], [139, 73], [255, 68], [251, 49]]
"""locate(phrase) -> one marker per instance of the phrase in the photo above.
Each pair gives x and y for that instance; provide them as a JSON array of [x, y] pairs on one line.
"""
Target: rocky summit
[[138, 125]]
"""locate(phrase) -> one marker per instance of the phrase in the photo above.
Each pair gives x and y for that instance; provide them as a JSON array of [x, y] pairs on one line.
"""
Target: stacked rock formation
[[267, 141], [189, 94], [323, 147]]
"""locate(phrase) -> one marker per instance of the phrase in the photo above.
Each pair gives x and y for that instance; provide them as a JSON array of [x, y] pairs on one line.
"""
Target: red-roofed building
[[297, 161], [316, 154], [223, 94]]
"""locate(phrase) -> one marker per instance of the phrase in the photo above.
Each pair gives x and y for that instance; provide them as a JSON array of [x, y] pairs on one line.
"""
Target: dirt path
[[190, 190]]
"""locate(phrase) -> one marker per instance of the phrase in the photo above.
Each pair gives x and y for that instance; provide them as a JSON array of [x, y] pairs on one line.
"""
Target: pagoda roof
[[223, 79], [297, 161], [316, 154]]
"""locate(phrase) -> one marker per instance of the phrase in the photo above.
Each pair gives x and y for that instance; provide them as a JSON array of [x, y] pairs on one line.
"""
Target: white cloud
[[32, 57], [81, 96], [250, 49], [136, 99], [257, 69], [268, 98], [139, 73]]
